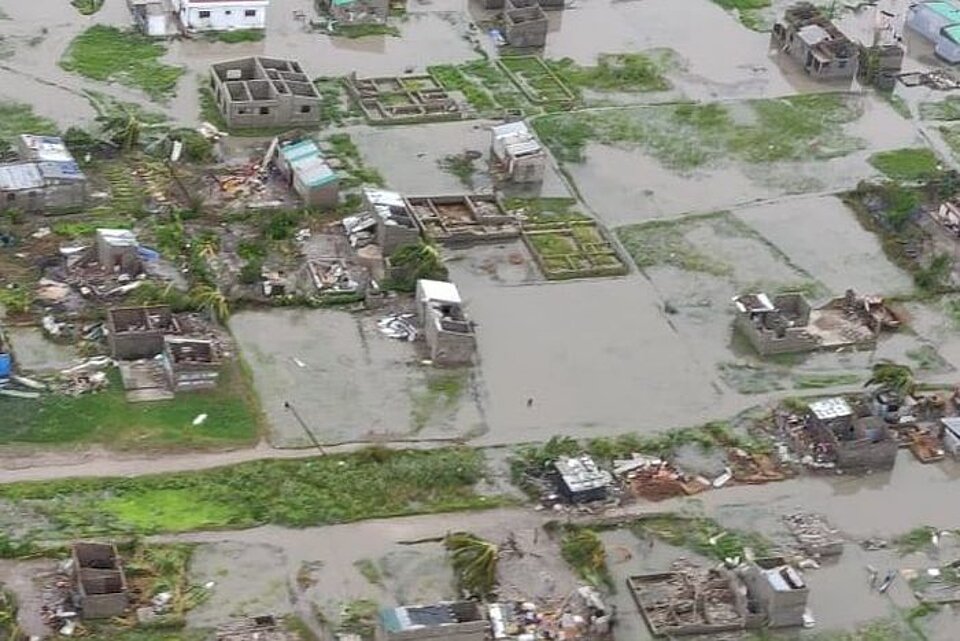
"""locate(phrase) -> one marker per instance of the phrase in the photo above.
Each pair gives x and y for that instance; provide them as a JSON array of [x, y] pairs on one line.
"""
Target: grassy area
[[687, 136], [822, 381], [946, 109], [362, 30], [463, 166], [87, 7], [236, 36], [545, 210], [748, 11], [107, 417], [442, 393], [622, 72], [584, 551], [664, 242], [951, 136], [347, 152], [917, 539], [110, 54], [907, 164], [537, 80], [702, 535], [452, 78], [330, 489], [18, 118]]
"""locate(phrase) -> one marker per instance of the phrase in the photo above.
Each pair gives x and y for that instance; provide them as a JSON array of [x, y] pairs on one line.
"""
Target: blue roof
[[307, 163], [944, 9], [5, 365], [390, 620], [60, 170], [302, 149]]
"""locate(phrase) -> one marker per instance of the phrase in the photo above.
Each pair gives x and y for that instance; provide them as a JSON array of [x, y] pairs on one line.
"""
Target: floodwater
[[35, 352], [344, 378]]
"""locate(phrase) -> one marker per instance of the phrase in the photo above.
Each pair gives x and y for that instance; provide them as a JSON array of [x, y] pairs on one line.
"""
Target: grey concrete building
[[446, 328], [264, 92], [190, 363], [809, 37], [396, 226], [524, 24], [99, 583], [518, 152], [778, 589], [854, 443], [779, 326], [445, 621], [117, 251], [137, 332], [581, 480], [47, 179]]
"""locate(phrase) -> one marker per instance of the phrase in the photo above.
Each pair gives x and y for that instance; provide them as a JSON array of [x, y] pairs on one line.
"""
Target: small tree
[[474, 562]]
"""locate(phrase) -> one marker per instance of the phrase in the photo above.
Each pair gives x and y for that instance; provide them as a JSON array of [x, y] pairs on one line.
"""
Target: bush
[[251, 271]]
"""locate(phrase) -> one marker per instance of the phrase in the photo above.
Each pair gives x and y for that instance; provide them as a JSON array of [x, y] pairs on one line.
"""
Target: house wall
[[782, 608], [767, 342], [864, 455], [947, 49], [324, 196], [135, 345], [65, 196], [223, 16], [926, 22], [528, 169], [448, 348], [28, 201], [531, 32], [104, 606], [469, 631]]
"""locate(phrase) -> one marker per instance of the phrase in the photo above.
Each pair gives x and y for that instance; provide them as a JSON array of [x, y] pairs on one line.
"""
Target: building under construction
[[811, 39]]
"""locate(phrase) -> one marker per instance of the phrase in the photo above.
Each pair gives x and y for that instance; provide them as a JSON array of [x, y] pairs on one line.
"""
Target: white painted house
[[222, 15]]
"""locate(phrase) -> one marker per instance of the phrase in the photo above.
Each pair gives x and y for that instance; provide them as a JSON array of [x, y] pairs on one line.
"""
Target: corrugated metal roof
[[439, 290], [46, 148], [830, 408], [60, 171], [296, 150], [307, 163], [944, 9], [20, 176]]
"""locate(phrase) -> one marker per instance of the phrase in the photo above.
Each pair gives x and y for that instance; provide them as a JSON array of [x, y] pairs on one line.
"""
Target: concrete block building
[[810, 38], [264, 92], [854, 442], [524, 24], [222, 15], [518, 152], [778, 589], [190, 363], [445, 621], [117, 251], [308, 174], [446, 328], [939, 23], [155, 18], [46, 179], [396, 226], [99, 583], [137, 332]]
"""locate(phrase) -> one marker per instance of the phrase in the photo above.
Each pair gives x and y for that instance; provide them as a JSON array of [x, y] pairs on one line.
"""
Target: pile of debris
[[398, 326], [655, 479], [753, 468], [582, 614], [937, 79], [258, 628], [360, 229], [815, 536]]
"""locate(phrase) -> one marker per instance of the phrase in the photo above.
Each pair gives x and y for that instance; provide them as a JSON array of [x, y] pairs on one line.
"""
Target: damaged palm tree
[[584, 551], [474, 562]]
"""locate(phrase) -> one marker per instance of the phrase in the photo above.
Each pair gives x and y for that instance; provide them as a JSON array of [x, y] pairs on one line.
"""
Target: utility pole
[[287, 405]]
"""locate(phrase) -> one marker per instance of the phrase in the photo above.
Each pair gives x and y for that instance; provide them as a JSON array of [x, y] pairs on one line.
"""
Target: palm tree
[[474, 562], [892, 377]]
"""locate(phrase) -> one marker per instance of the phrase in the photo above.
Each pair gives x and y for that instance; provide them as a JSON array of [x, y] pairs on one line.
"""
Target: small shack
[[518, 152], [190, 363], [854, 443], [929, 18], [525, 24], [395, 225], [137, 332], [444, 621], [306, 171], [117, 251], [778, 589], [581, 480], [810, 38], [448, 332], [155, 18], [99, 583], [357, 11]]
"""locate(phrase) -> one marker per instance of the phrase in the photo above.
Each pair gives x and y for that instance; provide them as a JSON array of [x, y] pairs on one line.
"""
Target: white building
[[518, 152], [155, 18], [222, 15]]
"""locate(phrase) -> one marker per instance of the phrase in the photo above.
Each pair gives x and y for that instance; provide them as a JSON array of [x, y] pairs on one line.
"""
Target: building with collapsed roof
[[99, 582], [395, 225], [308, 173], [190, 363], [117, 250], [810, 38], [444, 621], [778, 589], [357, 11], [461, 221], [525, 24], [46, 179], [264, 92], [788, 323], [852, 442], [447, 330], [257, 628], [138, 332], [581, 479], [518, 152], [155, 18]]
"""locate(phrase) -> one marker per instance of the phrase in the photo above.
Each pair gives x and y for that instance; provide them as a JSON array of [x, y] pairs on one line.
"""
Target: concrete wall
[[781, 608], [864, 455], [223, 16], [468, 631], [524, 26], [448, 348], [52, 199], [527, 169], [326, 196], [767, 342]]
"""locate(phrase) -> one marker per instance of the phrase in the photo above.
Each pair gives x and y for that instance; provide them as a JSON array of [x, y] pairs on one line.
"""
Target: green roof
[[944, 9], [340, 3], [952, 32]]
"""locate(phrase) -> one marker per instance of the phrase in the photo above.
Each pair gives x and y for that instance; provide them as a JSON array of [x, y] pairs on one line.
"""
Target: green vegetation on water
[[441, 394], [453, 78], [951, 135], [689, 135], [87, 7], [463, 166], [370, 571], [370, 483], [362, 30], [583, 550], [750, 12], [110, 54], [235, 36], [946, 109], [107, 417], [917, 539], [622, 72], [17, 118], [702, 535], [907, 164], [664, 242]]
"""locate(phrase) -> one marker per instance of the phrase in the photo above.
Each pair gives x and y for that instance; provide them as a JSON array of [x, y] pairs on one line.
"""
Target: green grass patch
[[691, 135], [664, 242], [18, 118], [80, 229], [110, 54], [87, 7], [703, 536], [822, 381], [371, 483], [545, 210], [583, 550], [452, 78], [750, 12], [622, 72], [362, 30], [463, 166], [907, 164], [441, 395], [917, 539], [236, 36], [370, 571], [946, 109], [951, 136], [108, 418]]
